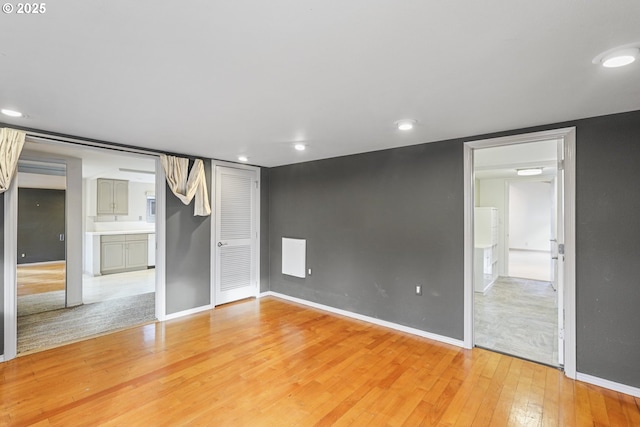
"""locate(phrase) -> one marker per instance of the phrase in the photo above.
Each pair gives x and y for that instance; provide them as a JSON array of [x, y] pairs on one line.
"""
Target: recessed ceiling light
[[619, 56], [243, 158], [11, 113], [406, 124], [529, 171], [300, 147]]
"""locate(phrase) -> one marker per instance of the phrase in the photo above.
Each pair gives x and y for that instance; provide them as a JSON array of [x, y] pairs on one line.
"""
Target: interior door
[[236, 236], [557, 253]]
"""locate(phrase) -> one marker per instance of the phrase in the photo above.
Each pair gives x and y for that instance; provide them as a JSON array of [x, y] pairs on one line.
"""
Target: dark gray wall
[[41, 220], [376, 225], [264, 230], [608, 247], [379, 223], [188, 254]]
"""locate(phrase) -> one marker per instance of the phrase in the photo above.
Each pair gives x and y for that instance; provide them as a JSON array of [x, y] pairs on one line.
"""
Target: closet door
[[236, 234]]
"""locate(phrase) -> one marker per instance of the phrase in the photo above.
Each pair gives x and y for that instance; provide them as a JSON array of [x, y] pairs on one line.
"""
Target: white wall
[[137, 204], [530, 205]]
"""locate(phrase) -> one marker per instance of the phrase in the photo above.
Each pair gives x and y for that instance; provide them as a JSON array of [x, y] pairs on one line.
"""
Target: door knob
[[221, 244], [554, 257]]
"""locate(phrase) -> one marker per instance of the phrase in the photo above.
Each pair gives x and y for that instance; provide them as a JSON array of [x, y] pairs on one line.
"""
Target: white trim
[[373, 320], [188, 312], [10, 263], [568, 135], [611, 385], [469, 184], [214, 247], [161, 239], [570, 327], [74, 220]]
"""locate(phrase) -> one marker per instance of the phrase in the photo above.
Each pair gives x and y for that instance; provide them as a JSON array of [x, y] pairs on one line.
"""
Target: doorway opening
[[41, 269], [106, 279], [519, 259]]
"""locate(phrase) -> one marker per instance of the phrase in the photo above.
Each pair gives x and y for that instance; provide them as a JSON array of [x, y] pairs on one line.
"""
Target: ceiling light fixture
[[11, 113], [243, 158], [619, 56], [406, 124], [300, 147], [529, 171]]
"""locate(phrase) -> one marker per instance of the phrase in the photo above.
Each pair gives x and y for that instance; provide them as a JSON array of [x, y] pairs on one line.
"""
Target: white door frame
[[74, 241], [160, 267], [569, 137], [214, 246]]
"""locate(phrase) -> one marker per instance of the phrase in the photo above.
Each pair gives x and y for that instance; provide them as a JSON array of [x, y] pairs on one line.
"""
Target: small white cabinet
[[112, 197], [124, 252], [486, 248]]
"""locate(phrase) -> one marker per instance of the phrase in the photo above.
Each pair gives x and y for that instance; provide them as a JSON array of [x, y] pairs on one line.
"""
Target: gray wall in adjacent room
[[41, 221], [188, 254], [376, 225]]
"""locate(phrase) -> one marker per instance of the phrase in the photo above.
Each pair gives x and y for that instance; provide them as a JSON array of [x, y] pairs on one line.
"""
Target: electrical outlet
[[418, 289]]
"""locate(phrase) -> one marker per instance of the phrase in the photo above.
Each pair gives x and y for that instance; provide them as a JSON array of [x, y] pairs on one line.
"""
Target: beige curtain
[[11, 143], [176, 169]]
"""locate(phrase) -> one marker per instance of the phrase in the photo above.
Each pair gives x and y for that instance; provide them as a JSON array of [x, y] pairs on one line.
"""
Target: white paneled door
[[236, 234]]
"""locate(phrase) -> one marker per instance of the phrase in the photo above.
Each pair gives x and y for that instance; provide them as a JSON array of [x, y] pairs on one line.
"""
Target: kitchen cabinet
[[123, 252], [112, 197]]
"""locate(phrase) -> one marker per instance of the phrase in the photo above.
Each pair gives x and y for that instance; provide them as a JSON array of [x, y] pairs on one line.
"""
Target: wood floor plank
[[269, 362]]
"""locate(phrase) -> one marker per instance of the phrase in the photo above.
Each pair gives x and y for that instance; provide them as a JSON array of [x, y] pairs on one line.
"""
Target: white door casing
[[567, 135], [236, 235], [558, 257], [73, 239]]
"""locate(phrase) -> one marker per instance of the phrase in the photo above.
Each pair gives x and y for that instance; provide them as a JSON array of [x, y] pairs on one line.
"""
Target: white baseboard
[[379, 322], [187, 312], [611, 385], [2, 358]]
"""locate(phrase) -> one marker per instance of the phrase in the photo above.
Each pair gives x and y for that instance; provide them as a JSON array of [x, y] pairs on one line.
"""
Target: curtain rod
[[88, 142], [34, 136]]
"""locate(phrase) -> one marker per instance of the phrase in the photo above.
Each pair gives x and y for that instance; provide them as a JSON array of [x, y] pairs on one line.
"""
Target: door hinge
[[561, 248], [561, 165], [257, 184], [561, 333]]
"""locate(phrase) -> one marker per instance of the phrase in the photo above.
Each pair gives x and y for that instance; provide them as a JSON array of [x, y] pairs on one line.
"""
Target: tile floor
[[111, 286], [518, 317]]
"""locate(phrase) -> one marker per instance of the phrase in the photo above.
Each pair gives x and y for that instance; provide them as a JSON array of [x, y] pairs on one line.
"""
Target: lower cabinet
[[123, 252]]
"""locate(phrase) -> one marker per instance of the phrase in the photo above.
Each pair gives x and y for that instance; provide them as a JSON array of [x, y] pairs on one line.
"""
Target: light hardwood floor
[[269, 362], [40, 278]]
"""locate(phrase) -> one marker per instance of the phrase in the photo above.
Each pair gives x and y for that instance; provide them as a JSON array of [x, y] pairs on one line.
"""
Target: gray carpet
[[39, 303], [54, 328]]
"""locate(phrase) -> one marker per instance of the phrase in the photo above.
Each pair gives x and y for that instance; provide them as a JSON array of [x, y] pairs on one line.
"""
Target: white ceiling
[[504, 161], [96, 163], [218, 79]]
